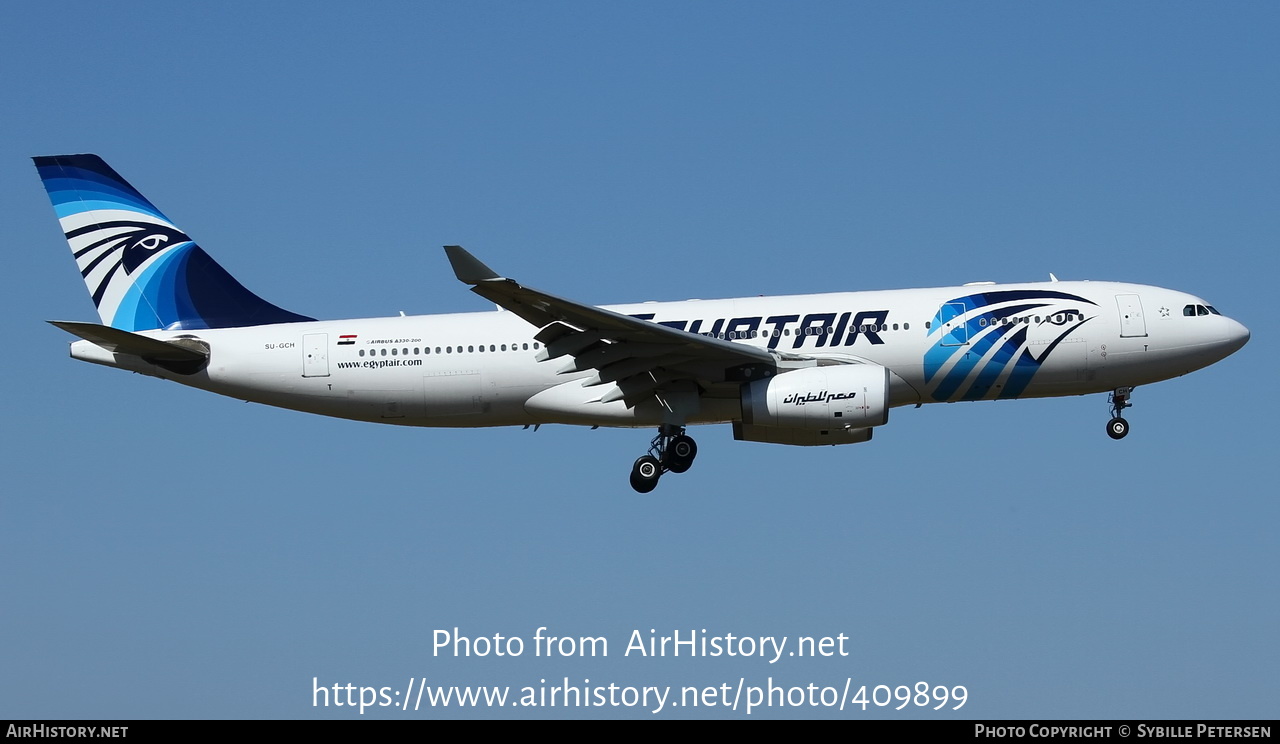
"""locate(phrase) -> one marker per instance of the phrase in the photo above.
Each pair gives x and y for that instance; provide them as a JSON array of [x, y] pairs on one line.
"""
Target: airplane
[[818, 369]]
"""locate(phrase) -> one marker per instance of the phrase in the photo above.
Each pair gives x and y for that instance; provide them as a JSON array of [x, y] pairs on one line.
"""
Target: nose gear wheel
[[1118, 427]]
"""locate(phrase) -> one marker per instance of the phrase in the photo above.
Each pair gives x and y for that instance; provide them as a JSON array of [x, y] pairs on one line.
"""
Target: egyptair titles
[[814, 329], [821, 397]]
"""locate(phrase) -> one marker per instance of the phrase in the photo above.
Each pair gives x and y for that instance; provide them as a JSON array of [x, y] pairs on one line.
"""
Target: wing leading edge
[[638, 359]]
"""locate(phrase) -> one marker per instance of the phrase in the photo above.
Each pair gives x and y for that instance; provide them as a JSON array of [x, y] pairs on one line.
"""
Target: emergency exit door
[[1132, 324], [315, 355]]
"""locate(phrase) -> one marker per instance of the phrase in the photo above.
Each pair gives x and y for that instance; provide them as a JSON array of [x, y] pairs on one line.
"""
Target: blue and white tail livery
[[801, 369], [141, 270]]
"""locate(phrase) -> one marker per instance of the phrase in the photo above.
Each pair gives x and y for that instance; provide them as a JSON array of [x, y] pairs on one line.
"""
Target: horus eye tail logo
[[142, 272], [983, 343]]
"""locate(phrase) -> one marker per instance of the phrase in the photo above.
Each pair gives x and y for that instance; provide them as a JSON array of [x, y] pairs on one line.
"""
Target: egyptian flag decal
[[347, 340]]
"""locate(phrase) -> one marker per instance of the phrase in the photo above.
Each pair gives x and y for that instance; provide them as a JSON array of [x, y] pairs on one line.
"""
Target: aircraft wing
[[641, 357]]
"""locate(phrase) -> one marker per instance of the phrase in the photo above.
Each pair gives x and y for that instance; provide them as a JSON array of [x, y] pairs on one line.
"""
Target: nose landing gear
[[671, 450], [1117, 427]]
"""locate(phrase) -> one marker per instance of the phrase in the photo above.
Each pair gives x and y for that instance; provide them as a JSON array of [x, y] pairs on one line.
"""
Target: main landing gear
[[1117, 427], [672, 450]]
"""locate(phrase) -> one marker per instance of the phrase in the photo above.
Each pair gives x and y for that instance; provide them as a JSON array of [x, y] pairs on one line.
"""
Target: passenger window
[[362, 352]]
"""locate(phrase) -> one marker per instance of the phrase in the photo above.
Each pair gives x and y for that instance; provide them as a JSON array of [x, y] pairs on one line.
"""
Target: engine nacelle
[[846, 396], [799, 437]]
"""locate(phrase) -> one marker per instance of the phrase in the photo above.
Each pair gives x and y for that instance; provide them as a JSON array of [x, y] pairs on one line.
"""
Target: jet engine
[[816, 405]]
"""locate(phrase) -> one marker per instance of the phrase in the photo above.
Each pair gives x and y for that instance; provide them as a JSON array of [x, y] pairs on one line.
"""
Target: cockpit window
[[1215, 312], [1201, 310], [1189, 311], [1194, 310]]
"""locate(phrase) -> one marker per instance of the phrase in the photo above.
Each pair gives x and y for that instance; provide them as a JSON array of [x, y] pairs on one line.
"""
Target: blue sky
[[165, 553]]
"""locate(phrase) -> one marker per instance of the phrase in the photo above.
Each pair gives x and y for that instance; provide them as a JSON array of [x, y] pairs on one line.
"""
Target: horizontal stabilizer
[[161, 353]]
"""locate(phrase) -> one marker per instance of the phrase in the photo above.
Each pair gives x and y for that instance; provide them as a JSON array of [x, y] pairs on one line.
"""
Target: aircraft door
[[315, 355], [453, 393], [1132, 324], [954, 331]]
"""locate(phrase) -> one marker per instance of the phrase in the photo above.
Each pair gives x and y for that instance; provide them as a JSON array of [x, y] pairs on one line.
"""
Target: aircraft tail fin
[[141, 270]]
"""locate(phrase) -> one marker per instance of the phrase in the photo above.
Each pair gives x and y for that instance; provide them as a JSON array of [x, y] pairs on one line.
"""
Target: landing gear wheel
[[645, 474], [680, 453], [670, 451], [1117, 427]]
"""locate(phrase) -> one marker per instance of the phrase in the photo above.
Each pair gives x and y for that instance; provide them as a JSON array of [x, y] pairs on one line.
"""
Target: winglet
[[467, 267]]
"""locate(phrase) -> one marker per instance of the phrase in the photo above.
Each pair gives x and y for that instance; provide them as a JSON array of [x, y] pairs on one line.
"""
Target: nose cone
[[1236, 337]]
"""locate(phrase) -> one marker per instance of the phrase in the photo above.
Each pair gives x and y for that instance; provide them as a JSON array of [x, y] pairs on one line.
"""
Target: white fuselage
[[479, 369]]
